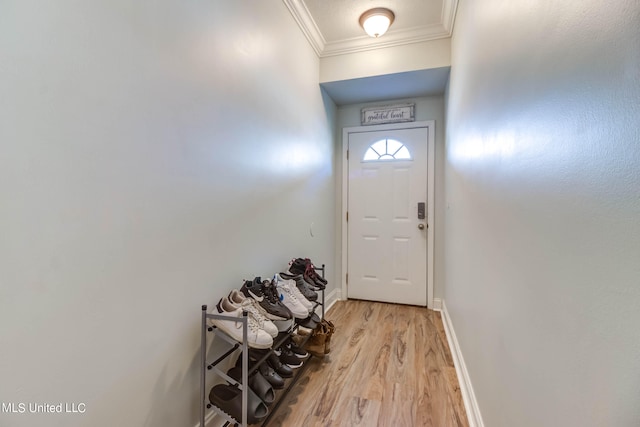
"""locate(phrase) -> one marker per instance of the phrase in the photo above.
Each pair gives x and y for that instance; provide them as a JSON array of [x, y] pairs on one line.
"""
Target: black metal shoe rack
[[206, 365]]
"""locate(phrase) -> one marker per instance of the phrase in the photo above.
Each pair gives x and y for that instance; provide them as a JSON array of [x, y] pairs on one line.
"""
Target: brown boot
[[298, 339], [330, 330], [316, 344]]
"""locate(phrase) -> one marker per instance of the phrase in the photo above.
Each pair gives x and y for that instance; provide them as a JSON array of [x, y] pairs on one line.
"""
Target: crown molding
[[305, 21], [391, 38], [449, 9]]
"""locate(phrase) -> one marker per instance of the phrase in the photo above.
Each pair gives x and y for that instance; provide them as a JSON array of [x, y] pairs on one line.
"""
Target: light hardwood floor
[[389, 365]]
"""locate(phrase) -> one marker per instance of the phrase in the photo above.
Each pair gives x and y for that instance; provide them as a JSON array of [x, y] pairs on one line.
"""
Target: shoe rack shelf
[[207, 364]]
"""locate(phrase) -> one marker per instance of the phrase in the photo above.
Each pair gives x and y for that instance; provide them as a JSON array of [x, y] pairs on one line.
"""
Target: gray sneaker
[[302, 285]]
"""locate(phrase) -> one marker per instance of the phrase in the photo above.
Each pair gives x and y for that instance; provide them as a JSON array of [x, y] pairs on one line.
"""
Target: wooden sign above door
[[388, 114]]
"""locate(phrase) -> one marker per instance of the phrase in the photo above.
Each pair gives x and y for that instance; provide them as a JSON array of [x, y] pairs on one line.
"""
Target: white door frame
[[430, 125]]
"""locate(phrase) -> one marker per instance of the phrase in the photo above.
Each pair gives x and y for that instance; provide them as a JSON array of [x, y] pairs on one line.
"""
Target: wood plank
[[389, 365]]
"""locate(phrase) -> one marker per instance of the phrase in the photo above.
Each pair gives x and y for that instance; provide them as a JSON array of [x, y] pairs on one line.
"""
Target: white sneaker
[[293, 300], [256, 337], [238, 300], [292, 284]]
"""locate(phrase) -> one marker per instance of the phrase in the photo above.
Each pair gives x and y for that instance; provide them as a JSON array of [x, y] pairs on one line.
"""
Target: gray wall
[[427, 108], [543, 210], [152, 155]]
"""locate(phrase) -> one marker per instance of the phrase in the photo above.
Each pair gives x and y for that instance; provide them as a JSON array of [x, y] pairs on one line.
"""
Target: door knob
[[421, 226]]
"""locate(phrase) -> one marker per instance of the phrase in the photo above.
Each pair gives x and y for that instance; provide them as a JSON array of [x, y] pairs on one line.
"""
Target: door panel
[[387, 252]]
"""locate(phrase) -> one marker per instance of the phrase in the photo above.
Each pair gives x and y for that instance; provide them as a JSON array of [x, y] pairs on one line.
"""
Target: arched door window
[[386, 149]]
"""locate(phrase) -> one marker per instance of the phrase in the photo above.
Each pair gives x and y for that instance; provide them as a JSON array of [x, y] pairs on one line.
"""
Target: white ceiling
[[332, 26]]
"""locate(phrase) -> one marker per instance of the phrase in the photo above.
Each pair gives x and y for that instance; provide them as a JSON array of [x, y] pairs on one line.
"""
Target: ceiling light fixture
[[377, 21]]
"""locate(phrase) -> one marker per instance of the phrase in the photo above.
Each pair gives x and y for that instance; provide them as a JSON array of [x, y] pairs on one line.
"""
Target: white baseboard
[[331, 298], [437, 304], [468, 396]]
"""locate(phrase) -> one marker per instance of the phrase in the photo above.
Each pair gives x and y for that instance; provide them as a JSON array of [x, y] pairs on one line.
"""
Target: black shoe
[[261, 292], [283, 370], [313, 274], [287, 357], [265, 370], [308, 323], [272, 376], [272, 360], [229, 399], [299, 352], [297, 266], [259, 384], [306, 290], [305, 267]]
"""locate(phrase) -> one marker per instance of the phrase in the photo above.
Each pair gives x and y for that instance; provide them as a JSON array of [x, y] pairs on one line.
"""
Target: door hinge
[[347, 278], [347, 216], [347, 154]]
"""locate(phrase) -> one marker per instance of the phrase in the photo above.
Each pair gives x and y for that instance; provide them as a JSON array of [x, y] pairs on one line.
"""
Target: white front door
[[388, 215]]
